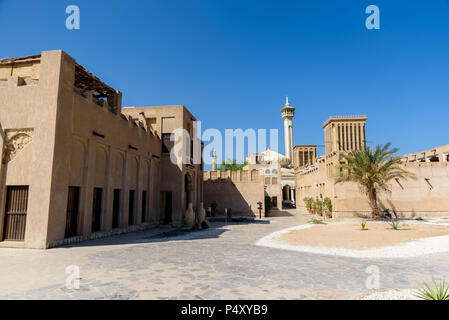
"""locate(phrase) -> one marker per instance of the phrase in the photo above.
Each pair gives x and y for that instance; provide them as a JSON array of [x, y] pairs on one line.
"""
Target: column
[[155, 194], [149, 191], [363, 135], [86, 196], [124, 201], [340, 145], [353, 146], [106, 221], [139, 191], [303, 153], [2, 180]]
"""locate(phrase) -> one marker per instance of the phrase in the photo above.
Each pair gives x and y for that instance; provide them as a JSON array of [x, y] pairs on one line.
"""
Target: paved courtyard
[[220, 263]]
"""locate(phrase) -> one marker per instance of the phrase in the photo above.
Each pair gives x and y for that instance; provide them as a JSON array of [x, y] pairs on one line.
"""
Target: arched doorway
[[286, 194]]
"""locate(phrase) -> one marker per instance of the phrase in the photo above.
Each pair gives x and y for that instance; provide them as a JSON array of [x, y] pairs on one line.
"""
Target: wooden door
[[71, 225], [15, 213]]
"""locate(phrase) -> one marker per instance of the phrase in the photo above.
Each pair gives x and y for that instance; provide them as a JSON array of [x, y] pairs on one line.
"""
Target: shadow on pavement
[[160, 234]]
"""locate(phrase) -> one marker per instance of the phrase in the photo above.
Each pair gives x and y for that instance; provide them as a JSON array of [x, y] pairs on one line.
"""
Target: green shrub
[[327, 206], [318, 206], [309, 203], [436, 292], [363, 224], [394, 224], [316, 221]]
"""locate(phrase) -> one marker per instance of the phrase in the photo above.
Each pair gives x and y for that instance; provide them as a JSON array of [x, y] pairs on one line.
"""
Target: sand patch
[[349, 236], [408, 245]]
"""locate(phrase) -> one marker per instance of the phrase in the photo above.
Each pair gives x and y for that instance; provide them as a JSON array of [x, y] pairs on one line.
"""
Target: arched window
[[274, 171], [267, 171]]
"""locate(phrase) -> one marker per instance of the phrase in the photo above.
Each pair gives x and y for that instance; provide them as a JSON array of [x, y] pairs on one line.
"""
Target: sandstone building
[[75, 164], [428, 195]]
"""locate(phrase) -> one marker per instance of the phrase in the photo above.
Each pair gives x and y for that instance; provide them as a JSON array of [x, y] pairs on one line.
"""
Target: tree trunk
[[372, 195]]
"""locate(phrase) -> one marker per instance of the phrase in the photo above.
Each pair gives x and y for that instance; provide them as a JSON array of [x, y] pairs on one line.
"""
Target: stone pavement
[[219, 263]]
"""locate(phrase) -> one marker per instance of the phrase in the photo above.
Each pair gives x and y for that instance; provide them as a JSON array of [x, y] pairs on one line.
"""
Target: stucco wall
[[231, 190], [428, 195], [64, 151]]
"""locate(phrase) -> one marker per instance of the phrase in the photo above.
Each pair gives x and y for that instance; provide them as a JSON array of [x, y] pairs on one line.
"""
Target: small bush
[[435, 292], [363, 224], [318, 206], [394, 224], [316, 221], [309, 203], [327, 206]]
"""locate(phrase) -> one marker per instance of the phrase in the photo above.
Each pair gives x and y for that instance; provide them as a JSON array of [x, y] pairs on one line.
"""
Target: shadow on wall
[[242, 198], [387, 207]]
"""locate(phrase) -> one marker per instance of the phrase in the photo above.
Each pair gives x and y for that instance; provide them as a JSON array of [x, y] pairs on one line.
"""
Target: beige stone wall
[[428, 195], [238, 190], [270, 174], [58, 148], [164, 120], [33, 108], [420, 197], [27, 69]]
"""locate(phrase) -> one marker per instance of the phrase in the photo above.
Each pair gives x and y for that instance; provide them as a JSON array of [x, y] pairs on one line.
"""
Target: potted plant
[[319, 207], [363, 224], [327, 207], [309, 203], [312, 206]]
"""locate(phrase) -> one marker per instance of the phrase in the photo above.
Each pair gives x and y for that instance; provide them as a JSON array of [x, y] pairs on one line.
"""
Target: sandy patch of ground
[[406, 294], [350, 236], [416, 239]]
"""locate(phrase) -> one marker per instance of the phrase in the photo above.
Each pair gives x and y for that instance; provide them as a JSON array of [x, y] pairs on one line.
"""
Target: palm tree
[[372, 170]]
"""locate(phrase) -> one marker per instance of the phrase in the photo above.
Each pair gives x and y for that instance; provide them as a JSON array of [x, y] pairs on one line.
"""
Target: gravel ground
[[406, 294]]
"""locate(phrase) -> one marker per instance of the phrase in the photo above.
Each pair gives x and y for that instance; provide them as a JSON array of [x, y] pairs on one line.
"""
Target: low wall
[[239, 191], [425, 196]]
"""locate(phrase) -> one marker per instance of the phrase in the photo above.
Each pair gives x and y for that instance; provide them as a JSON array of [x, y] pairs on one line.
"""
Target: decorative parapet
[[234, 176], [345, 117]]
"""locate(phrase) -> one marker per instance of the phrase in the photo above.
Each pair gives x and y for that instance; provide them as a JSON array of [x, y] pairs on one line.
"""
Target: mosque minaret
[[288, 112]]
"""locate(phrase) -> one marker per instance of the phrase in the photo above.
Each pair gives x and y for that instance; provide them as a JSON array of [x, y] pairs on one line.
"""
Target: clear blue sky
[[232, 62]]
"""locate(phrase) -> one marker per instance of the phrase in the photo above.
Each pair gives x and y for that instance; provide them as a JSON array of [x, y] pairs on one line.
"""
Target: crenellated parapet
[[233, 176]]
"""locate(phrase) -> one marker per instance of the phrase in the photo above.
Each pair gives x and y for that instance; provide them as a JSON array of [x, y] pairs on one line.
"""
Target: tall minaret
[[214, 160], [288, 112]]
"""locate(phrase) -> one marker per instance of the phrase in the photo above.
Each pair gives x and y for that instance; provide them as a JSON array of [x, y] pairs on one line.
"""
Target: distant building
[[277, 179], [428, 195]]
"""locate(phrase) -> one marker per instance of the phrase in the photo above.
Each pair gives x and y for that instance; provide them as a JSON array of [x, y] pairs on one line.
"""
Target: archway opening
[[286, 194]]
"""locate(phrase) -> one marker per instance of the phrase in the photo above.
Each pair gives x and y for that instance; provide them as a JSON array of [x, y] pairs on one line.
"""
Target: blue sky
[[232, 62]]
